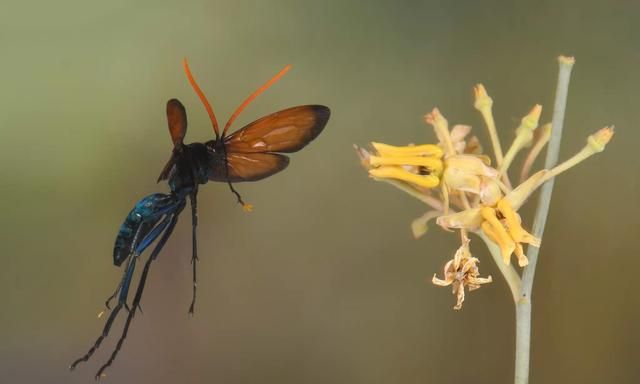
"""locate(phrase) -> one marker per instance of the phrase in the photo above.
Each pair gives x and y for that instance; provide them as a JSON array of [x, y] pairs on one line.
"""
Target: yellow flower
[[500, 223], [454, 163], [465, 168], [455, 174], [418, 165], [460, 272], [465, 173]]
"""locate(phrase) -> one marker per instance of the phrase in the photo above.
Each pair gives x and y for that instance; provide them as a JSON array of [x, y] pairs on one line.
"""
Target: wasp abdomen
[[142, 218]]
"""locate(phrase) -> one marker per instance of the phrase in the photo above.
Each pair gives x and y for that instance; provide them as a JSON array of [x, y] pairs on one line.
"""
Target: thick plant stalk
[[523, 304]]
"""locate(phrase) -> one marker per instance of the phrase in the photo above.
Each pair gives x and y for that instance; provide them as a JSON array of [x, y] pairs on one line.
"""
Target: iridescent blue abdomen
[[142, 218]]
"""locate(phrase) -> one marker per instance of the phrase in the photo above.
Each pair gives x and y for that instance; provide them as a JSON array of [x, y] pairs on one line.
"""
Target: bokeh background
[[323, 283]]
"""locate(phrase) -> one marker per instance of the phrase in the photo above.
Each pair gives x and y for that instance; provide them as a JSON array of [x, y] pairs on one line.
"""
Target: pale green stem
[[429, 200], [523, 302], [508, 271], [510, 155], [487, 114], [535, 151]]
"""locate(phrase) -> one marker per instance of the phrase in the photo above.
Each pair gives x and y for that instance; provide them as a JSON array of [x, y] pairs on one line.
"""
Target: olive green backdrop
[[323, 283]]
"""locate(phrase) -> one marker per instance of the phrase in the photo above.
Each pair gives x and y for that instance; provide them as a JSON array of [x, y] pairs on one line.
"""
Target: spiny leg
[[149, 239], [194, 256], [113, 296], [139, 290], [124, 286], [112, 316], [115, 293]]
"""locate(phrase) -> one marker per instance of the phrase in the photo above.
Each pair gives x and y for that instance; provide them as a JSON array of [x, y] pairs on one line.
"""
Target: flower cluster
[[466, 190]]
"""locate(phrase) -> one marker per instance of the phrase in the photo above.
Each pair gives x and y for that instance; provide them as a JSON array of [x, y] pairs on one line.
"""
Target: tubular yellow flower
[[409, 150], [417, 165], [500, 237], [494, 229], [399, 173], [460, 272], [415, 190], [513, 223], [501, 224], [430, 164], [500, 221]]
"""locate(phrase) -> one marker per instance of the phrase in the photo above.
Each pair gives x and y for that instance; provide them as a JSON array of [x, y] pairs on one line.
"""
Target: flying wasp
[[248, 154]]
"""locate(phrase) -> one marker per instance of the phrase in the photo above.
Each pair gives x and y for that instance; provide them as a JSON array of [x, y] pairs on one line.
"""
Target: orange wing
[[284, 131], [248, 166], [177, 119]]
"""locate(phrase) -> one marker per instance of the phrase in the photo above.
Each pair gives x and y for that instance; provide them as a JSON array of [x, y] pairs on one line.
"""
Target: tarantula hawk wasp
[[249, 154]]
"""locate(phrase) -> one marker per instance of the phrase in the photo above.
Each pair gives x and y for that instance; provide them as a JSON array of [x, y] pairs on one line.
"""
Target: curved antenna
[[202, 97], [255, 94]]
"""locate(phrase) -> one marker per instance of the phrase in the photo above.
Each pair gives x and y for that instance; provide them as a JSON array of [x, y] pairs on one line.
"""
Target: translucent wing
[[247, 166], [284, 131]]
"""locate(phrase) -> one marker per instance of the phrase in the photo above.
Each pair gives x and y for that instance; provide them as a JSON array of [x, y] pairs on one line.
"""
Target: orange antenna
[[255, 94], [202, 97]]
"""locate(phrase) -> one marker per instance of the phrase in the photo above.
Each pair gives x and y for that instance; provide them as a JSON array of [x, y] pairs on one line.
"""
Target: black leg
[[123, 287], [240, 201], [194, 255], [115, 293], [139, 290], [112, 316]]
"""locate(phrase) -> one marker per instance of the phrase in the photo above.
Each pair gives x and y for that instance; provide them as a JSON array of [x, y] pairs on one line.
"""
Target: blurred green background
[[323, 283]]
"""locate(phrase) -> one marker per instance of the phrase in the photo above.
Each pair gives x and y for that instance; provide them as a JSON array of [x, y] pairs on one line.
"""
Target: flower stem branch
[[429, 200], [484, 104], [523, 303], [543, 139], [508, 271]]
